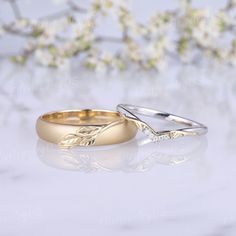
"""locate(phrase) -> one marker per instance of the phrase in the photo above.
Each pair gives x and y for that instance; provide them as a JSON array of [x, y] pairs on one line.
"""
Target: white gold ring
[[130, 112]]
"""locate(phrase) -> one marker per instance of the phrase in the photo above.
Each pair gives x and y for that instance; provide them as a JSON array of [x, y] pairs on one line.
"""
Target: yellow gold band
[[71, 128]]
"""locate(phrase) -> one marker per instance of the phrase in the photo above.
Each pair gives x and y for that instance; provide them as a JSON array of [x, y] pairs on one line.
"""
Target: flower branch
[[186, 33]]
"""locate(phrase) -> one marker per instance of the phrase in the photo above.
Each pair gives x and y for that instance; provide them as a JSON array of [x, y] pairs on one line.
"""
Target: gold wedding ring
[[71, 128]]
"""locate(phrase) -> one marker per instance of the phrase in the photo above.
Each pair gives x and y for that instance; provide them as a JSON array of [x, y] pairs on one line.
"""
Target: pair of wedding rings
[[88, 127]]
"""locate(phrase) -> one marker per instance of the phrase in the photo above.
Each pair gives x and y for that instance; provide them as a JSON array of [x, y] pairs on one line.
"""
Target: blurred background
[[180, 187]]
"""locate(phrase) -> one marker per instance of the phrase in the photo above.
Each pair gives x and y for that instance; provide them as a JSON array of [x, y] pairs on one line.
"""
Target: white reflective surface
[[180, 187]]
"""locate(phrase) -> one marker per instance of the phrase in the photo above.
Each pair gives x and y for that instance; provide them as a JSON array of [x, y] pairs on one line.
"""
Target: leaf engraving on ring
[[84, 136]]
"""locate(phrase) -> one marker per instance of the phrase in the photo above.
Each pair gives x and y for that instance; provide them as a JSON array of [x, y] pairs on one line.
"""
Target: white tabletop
[[180, 187]]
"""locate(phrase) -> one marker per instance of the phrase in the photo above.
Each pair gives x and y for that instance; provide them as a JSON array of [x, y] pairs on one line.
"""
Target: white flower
[[43, 57], [206, 32], [159, 23], [91, 62], [20, 24], [45, 39], [101, 68], [67, 48], [188, 31], [134, 51], [83, 29], [56, 26], [128, 22], [223, 20], [101, 6], [50, 30], [155, 54], [157, 49], [107, 57]]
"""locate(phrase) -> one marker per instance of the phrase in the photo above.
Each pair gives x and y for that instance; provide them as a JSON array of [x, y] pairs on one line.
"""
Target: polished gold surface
[[85, 127]]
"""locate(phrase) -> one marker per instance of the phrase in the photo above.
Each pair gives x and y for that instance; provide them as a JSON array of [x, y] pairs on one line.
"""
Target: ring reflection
[[134, 156]]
